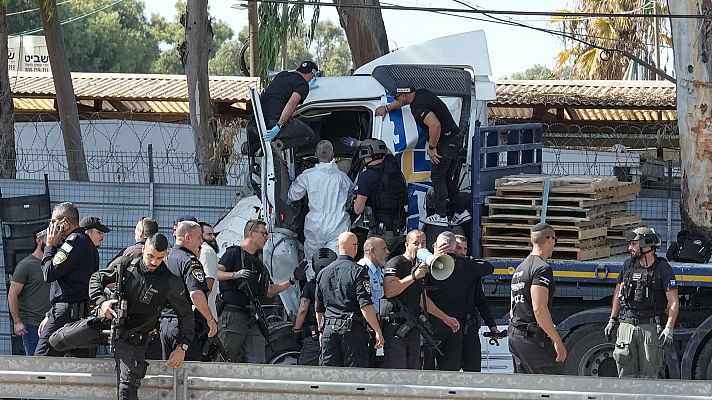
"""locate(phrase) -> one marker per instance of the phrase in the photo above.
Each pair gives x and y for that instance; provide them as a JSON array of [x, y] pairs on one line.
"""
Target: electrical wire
[[33, 9], [69, 20], [478, 11]]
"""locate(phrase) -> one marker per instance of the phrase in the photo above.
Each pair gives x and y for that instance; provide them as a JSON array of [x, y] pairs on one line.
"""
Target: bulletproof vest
[[641, 288], [392, 193]]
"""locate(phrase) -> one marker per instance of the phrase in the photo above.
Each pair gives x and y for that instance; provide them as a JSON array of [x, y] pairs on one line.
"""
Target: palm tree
[[589, 60]]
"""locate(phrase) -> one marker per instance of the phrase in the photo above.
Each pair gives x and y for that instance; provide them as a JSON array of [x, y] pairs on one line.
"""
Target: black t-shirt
[[400, 267], [234, 259], [424, 103], [342, 287], [533, 271], [448, 294], [277, 94], [660, 280], [309, 293]]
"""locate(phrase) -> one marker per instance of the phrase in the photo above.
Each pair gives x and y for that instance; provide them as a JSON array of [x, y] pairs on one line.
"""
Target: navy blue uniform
[[68, 269], [185, 265], [342, 289], [310, 337]]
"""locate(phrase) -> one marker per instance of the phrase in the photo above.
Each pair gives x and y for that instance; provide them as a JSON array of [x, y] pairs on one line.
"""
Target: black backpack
[[690, 248]]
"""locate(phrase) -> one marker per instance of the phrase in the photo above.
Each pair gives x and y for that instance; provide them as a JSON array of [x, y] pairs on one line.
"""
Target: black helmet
[[372, 147], [646, 237], [323, 257]]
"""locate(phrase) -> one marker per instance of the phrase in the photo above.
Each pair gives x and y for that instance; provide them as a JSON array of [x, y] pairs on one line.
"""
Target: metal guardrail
[[78, 379]]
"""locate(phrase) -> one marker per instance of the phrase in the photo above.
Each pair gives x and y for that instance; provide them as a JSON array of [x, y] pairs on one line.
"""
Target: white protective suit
[[329, 191]]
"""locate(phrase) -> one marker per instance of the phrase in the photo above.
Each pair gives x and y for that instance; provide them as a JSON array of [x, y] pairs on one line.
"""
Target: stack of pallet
[[587, 212]]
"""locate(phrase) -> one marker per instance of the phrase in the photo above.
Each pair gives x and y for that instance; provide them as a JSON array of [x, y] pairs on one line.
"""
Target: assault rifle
[[256, 311], [213, 350], [421, 324], [120, 308]]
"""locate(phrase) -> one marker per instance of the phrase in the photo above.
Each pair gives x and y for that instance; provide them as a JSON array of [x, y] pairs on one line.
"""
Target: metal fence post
[[150, 180], [669, 208]]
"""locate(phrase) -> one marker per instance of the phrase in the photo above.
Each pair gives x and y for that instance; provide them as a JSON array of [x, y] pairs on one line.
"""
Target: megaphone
[[441, 267]]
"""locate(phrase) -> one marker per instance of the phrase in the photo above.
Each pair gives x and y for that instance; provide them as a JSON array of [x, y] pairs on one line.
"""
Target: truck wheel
[[283, 347], [703, 365], [589, 352]]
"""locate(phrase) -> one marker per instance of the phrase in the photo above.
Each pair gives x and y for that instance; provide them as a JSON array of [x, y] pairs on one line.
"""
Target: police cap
[[323, 257], [402, 87]]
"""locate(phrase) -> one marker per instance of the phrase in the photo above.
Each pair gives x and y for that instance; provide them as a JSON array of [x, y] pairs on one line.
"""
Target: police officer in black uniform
[[646, 301], [476, 309], [183, 262], [444, 141], [305, 323], [381, 189], [146, 227], [147, 285], [448, 295], [285, 92], [403, 279], [239, 330], [68, 268], [535, 344], [343, 308]]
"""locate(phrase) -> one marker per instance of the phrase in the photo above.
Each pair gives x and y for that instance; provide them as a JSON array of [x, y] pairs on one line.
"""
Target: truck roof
[[345, 88]]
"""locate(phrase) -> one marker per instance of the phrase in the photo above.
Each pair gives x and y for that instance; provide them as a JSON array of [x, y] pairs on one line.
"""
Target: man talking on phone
[[70, 258]]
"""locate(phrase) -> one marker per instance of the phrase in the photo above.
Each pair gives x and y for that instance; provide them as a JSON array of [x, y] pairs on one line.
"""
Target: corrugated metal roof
[[132, 86], [591, 94]]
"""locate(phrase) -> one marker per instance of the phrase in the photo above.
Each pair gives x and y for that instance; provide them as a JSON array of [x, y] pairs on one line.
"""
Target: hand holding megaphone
[[441, 266]]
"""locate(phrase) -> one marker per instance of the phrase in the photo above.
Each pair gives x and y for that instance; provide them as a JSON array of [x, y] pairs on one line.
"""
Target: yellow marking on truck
[[408, 167], [694, 278]]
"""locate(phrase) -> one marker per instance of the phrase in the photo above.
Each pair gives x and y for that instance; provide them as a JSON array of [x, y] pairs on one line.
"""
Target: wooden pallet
[[515, 251], [560, 222], [568, 232], [537, 200], [562, 243], [578, 213], [622, 220]]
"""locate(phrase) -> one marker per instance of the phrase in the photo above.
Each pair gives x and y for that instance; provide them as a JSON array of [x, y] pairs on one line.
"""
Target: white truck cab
[[456, 68]]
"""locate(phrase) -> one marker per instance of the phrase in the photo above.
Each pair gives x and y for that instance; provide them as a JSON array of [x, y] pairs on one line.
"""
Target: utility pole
[[692, 37], [253, 21]]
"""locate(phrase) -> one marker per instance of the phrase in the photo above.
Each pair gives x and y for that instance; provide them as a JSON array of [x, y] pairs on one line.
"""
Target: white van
[[456, 68]]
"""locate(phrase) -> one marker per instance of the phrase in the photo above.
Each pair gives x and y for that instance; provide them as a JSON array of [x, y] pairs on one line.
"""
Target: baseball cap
[[307, 66], [40, 232], [185, 218], [93, 222], [402, 87]]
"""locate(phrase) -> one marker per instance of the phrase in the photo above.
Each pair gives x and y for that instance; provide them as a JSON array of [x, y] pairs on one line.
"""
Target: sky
[[512, 49]]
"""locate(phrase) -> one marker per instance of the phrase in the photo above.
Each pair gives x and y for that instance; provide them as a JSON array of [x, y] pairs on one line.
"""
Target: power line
[[478, 11], [33, 9], [69, 20]]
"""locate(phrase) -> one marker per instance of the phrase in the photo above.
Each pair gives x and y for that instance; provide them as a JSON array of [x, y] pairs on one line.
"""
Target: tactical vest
[[641, 288], [392, 191]]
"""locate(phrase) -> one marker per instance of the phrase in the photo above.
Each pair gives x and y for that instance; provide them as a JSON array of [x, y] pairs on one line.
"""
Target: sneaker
[[461, 217], [436, 219]]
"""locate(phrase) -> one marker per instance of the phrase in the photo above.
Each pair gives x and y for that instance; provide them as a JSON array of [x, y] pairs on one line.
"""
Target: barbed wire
[[117, 149]]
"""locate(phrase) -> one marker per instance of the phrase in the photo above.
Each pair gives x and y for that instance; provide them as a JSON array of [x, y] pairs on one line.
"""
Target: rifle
[[213, 349], [121, 309], [256, 311], [421, 324]]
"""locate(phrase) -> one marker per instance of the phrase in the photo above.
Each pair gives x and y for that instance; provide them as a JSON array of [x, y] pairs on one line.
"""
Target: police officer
[[403, 279], [239, 266], [448, 295], [645, 293], [381, 188], [535, 344], [476, 309], [147, 285], [183, 262], [285, 92], [146, 227], [343, 308], [444, 143], [306, 324], [68, 268]]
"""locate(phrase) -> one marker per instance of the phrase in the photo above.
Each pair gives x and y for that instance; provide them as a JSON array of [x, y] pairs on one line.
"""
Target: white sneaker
[[436, 219], [460, 218]]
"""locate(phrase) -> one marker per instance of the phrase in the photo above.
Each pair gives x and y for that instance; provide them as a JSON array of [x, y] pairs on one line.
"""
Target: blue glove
[[350, 142], [271, 133], [313, 84]]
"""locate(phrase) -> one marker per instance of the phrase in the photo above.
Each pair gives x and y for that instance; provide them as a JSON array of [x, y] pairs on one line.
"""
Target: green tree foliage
[[540, 72], [331, 50], [114, 40], [171, 36]]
